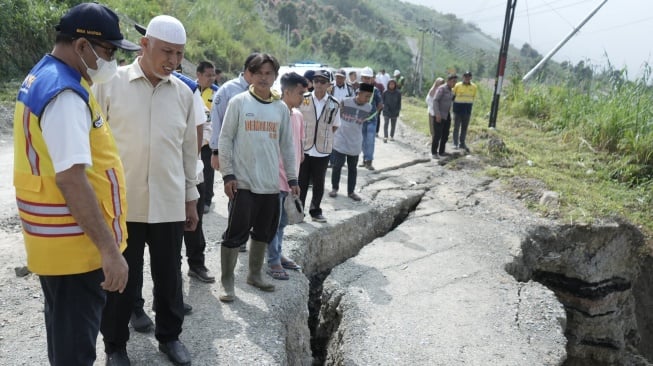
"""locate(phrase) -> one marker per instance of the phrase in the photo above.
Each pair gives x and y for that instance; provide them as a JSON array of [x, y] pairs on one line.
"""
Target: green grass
[[8, 91], [562, 160]]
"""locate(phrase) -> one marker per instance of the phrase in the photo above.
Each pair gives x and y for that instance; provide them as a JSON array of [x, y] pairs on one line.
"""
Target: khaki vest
[[319, 133], [55, 243]]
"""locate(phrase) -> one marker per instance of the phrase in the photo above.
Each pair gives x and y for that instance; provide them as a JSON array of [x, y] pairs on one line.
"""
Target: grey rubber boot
[[228, 259], [257, 252]]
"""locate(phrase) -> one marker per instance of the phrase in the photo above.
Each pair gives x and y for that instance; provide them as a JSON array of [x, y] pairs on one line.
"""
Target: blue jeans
[[274, 247], [369, 132]]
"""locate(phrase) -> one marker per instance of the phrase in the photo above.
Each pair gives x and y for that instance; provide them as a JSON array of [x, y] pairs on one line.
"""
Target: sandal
[[278, 274], [291, 265]]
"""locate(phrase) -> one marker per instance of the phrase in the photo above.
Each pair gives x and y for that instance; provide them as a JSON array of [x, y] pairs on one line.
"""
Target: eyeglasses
[[111, 51], [320, 81]]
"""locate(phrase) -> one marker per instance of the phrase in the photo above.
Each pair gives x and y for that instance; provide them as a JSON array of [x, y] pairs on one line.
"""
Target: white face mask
[[105, 69]]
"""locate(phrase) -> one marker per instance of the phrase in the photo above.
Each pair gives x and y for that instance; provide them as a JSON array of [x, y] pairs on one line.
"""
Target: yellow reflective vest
[[55, 243]]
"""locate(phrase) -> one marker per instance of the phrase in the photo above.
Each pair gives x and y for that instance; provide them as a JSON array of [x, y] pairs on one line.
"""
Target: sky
[[622, 29]]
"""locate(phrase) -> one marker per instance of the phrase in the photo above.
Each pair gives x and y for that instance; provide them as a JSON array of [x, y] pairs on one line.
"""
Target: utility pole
[[417, 88], [562, 43], [503, 59]]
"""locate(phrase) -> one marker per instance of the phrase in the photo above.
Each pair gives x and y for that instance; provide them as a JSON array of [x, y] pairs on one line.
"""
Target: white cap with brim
[[167, 29]]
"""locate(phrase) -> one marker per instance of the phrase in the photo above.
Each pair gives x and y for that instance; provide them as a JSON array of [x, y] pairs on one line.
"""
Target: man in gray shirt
[[256, 136], [442, 107]]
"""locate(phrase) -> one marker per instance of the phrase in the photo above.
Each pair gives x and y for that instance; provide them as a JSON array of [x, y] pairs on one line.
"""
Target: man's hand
[[116, 271], [191, 216], [295, 190], [215, 162], [230, 189], [438, 119]]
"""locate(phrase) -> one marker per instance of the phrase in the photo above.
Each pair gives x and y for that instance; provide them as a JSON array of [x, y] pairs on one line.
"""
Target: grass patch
[[414, 114], [8, 91], [536, 159]]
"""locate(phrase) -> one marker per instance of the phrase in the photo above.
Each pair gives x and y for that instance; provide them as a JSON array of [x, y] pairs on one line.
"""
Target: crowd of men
[[110, 160]]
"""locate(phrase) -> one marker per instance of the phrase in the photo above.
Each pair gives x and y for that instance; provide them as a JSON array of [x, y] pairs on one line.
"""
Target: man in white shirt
[[322, 119], [154, 122], [341, 89]]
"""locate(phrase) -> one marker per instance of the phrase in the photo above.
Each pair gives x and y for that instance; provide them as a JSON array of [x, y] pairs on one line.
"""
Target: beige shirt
[[155, 131]]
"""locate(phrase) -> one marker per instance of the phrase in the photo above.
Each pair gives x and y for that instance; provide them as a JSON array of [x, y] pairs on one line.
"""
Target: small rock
[[550, 199], [21, 271]]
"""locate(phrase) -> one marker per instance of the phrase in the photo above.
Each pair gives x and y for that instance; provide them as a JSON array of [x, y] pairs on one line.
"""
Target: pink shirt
[[297, 125]]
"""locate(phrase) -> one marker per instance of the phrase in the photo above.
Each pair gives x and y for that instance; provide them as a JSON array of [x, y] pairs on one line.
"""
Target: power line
[[560, 15], [531, 12], [621, 25]]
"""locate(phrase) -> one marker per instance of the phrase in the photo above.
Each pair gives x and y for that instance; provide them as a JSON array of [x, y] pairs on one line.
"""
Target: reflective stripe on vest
[[51, 230], [39, 209], [115, 200], [32, 156]]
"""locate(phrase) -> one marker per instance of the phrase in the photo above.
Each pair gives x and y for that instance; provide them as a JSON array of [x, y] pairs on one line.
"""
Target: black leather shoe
[[118, 358], [141, 322], [201, 274], [176, 352]]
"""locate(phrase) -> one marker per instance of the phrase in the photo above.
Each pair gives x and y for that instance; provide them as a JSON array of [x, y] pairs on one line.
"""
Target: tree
[[288, 15], [338, 43]]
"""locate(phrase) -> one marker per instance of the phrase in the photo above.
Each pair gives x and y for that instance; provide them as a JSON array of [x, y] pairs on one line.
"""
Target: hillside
[[338, 32]]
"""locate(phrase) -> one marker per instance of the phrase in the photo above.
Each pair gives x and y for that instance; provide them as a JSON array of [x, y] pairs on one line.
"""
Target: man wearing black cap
[[74, 223], [465, 92], [348, 140], [322, 119]]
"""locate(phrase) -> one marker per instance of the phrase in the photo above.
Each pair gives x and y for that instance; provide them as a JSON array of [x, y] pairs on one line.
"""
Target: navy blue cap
[[309, 74], [92, 20], [322, 73]]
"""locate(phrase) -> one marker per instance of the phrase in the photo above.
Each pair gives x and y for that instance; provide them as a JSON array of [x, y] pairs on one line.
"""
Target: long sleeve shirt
[[255, 135], [155, 130], [220, 101], [442, 101]]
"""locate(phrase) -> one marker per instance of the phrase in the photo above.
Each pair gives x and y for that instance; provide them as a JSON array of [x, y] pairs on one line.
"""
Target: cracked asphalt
[[432, 291]]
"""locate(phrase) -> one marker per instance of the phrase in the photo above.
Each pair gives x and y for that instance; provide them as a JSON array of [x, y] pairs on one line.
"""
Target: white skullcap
[[367, 72], [167, 29], [397, 72]]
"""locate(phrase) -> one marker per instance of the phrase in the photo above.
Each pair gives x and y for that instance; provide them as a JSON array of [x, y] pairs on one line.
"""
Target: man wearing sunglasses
[[322, 119], [70, 183]]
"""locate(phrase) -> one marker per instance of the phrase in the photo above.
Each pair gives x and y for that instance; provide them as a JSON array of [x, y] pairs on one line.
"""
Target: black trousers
[[440, 134], [73, 309], [251, 213], [352, 172], [209, 177], [194, 240], [313, 169], [164, 243]]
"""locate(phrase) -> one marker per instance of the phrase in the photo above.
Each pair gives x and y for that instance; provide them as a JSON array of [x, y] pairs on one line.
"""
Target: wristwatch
[[215, 152]]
